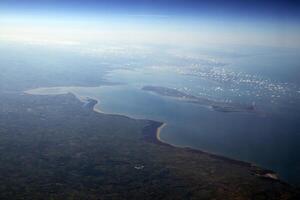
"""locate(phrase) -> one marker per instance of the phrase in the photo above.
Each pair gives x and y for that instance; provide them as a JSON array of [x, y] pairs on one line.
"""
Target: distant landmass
[[215, 105]]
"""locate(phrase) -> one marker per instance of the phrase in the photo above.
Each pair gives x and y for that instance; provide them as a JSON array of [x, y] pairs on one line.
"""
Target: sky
[[270, 23]]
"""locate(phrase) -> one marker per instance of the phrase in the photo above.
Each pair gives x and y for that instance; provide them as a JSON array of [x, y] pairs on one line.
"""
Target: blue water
[[269, 138]]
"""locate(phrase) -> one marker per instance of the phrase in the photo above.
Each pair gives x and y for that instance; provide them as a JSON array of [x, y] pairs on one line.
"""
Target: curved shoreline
[[154, 137], [160, 141], [158, 131], [151, 133]]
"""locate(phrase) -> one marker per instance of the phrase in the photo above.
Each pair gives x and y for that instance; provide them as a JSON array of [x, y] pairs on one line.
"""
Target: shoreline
[[256, 170], [151, 133], [158, 131]]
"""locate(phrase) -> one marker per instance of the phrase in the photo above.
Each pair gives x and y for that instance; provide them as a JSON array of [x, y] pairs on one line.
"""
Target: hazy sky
[[270, 23]]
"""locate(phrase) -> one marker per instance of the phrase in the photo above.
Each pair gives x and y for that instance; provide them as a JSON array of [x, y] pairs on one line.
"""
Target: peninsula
[[215, 105]]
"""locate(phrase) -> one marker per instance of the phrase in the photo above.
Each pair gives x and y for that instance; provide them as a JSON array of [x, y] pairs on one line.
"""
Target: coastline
[[158, 131], [256, 170], [152, 132]]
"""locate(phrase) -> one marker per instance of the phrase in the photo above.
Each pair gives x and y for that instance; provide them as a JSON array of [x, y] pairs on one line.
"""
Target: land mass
[[57, 147], [215, 105]]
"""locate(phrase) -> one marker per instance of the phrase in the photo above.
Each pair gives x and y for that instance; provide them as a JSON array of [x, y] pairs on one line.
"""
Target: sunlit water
[[269, 138]]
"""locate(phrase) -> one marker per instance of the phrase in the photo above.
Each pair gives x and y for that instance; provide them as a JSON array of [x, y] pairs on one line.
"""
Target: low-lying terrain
[[54, 147], [215, 105]]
